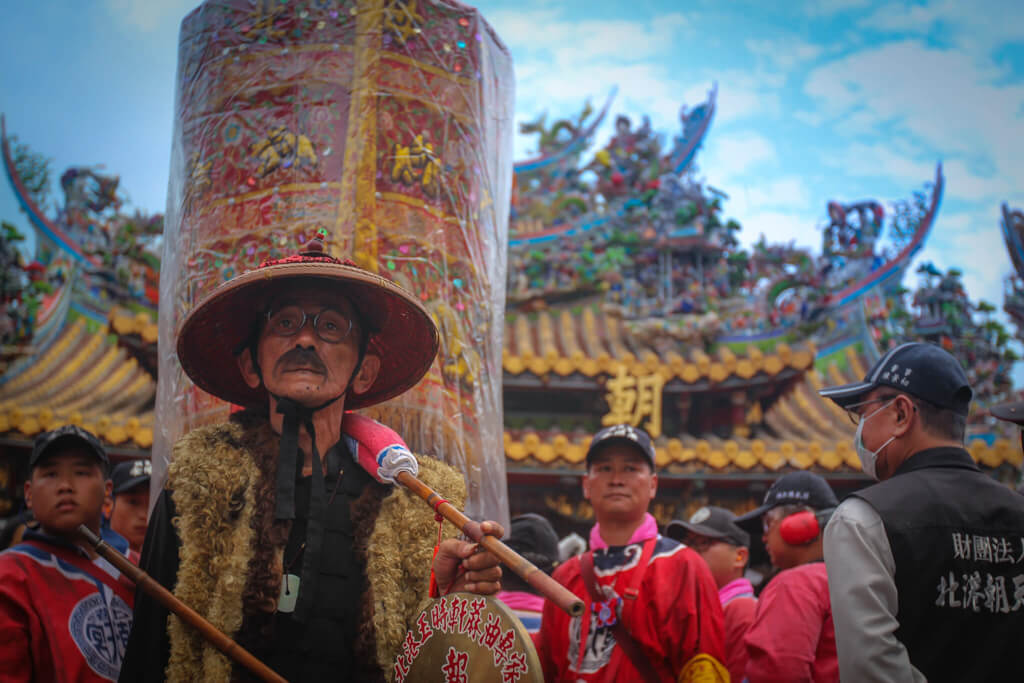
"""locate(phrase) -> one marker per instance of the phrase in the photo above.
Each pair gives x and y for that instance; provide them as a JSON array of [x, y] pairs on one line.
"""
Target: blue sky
[[841, 99]]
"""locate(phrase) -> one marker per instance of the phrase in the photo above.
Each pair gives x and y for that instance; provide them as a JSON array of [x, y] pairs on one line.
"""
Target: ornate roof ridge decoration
[[560, 342], [551, 151], [35, 214], [1012, 227], [84, 378]]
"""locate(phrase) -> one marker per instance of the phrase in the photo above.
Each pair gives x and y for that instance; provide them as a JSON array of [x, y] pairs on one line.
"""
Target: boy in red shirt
[[129, 511], [793, 638], [65, 613], [651, 607], [714, 534]]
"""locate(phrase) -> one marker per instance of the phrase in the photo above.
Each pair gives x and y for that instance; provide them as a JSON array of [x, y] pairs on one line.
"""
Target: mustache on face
[[300, 357]]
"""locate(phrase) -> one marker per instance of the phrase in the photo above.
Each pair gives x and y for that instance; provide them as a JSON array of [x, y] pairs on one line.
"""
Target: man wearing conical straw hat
[[281, 526]]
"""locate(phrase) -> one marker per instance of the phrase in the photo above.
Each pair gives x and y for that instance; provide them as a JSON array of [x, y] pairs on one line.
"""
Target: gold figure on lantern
[[402, 19], [282, 147], [199, 173], [417, 163], [261, 22]]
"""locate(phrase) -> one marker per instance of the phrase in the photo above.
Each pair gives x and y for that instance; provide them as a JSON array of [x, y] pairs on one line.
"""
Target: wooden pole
[[544, 584], [211, 633]]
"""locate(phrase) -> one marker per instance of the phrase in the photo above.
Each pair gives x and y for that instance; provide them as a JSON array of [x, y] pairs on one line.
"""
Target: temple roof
[[564, 342], [810, 433], [85, 378], [126, 322], [82, 378]]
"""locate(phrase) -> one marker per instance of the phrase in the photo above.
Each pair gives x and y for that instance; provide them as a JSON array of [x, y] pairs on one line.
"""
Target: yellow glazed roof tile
[[83, 378]]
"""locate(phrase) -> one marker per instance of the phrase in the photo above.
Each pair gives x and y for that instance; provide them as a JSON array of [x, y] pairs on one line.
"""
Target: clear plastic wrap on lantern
[[388, 124]]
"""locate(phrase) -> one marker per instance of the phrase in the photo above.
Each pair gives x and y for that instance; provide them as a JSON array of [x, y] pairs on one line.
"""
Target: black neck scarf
[[289, 469]]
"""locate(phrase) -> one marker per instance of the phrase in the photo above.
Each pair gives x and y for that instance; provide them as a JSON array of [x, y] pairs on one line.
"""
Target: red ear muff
[[800, 528]]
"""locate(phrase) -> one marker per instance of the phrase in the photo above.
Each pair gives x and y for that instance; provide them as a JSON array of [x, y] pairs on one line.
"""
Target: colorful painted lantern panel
[[388, 124]]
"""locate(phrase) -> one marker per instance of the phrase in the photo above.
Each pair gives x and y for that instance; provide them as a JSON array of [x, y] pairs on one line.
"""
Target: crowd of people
[[285, 531]]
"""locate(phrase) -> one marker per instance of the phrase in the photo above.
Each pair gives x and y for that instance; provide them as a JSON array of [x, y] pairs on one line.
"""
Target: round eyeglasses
[[854, 415], [331, 325], [701, 543]]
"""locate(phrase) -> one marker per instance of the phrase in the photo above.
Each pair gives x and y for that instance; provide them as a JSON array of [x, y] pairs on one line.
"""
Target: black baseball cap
[[1010, 412], [922, 370], [129, 474], [623, 433], [533, 537], [47, 442], [710, 521], [795, 488]]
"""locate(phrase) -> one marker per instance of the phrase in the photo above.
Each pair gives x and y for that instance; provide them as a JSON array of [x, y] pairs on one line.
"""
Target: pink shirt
[[526, 606], [734, 589], [738, 608], [647, 529]]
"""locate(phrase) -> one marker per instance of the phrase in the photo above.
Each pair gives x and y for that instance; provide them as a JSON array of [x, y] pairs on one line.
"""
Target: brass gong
[[465, 637]]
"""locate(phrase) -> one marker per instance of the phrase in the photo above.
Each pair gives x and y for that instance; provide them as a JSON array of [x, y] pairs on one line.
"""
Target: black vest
[[321, 649], [957, 537]]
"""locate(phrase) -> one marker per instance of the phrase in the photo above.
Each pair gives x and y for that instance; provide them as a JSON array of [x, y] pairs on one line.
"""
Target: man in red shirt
[[652, 610], [65, 613], [792, 638], [714, 534]]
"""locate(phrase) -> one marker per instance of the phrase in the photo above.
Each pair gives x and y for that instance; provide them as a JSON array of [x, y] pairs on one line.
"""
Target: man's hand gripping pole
[[544, 584]]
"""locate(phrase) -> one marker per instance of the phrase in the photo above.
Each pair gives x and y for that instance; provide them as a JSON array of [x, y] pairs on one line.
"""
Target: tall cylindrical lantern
[[389, 124]]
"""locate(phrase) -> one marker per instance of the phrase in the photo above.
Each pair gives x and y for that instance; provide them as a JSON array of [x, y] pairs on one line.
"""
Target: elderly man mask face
[[303, 366]]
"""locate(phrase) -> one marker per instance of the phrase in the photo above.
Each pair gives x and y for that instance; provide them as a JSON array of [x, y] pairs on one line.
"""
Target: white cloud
[[785, 54], [810, 118], [780, 208], [880, 160], [592, 39], [149, 15], [977, 27], [547, 30], [787, 191], [520, 28], [971, 185], [747, 94], [729, 158], [830, 7], [779, 227], [904, 18], [737, 103], [938, 102], [561, 62]]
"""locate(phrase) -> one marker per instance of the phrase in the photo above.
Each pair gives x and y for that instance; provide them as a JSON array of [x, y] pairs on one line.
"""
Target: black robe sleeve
[[148, 645]]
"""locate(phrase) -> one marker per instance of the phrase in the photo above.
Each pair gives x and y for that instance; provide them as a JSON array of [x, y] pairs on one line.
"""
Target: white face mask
[[869, 459]]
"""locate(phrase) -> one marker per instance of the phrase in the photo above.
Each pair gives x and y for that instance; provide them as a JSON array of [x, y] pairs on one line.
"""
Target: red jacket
[[792, 638], [676, 616], [63, 617], [738, 606]]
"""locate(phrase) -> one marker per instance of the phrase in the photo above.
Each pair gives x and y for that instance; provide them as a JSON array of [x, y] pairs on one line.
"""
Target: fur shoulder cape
[[223, 482]]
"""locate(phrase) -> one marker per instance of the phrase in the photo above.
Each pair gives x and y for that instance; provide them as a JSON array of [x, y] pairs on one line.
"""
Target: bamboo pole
[[544, 584], [211, 633]]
